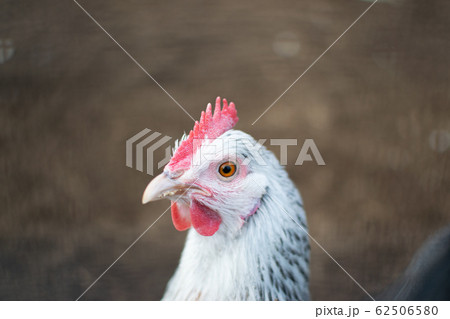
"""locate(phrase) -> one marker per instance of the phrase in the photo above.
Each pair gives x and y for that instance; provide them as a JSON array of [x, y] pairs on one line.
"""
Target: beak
[[163, 186]]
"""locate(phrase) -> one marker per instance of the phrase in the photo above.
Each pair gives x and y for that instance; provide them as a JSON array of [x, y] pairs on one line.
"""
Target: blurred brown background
[[377, 106]]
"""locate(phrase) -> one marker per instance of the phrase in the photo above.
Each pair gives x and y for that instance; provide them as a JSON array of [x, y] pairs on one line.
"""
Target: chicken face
[[219, 188]]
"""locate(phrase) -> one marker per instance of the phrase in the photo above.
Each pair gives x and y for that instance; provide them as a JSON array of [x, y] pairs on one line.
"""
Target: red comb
[[210, 126]]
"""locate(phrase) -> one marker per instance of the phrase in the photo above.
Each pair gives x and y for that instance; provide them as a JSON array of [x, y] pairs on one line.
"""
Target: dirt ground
[[376, 105]]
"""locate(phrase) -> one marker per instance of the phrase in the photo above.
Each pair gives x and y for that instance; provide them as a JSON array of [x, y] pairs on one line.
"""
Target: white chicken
[[248, 239]]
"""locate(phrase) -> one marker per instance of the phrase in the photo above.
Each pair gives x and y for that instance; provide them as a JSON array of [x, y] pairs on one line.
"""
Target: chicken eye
[[227, 169]]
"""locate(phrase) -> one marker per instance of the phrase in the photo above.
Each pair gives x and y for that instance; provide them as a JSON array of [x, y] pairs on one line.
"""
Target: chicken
[[248, 239]]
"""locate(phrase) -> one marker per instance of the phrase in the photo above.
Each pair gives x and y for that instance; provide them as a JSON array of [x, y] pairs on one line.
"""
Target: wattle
[[181, 217], [204, 220]]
